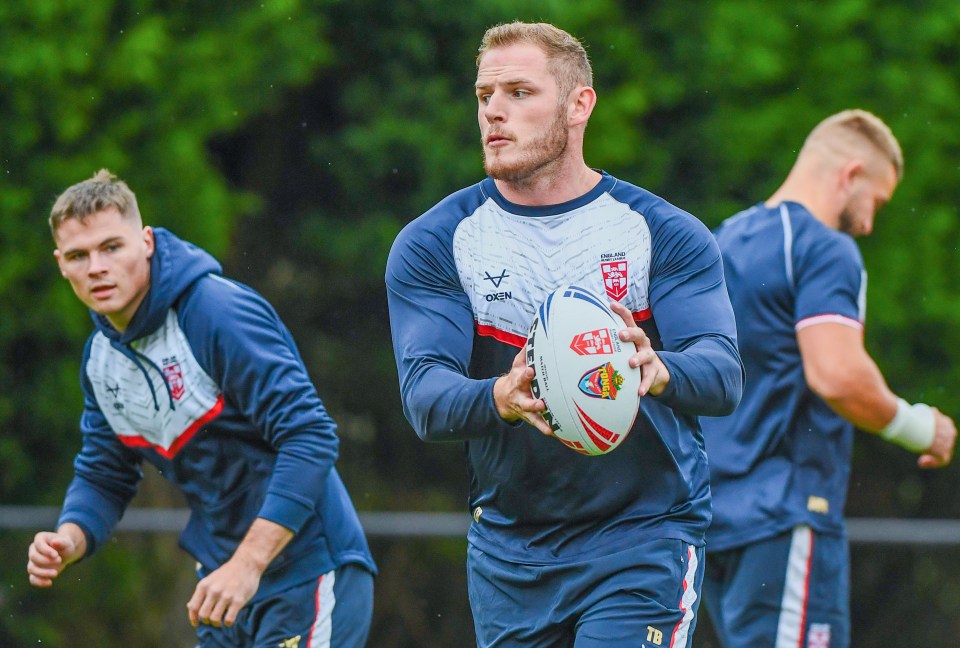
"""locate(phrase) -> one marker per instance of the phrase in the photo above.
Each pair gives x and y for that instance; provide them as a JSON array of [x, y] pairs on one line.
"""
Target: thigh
[[790, 590], [353, 612], [720, 568], [646, 596], [236, 636], [333, 610], [514, 605]]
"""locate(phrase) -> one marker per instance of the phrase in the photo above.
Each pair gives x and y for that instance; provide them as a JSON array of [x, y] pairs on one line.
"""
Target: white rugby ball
[[582, 372]]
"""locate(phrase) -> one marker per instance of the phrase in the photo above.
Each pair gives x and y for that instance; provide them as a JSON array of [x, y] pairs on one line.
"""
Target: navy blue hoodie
[[207, 384]]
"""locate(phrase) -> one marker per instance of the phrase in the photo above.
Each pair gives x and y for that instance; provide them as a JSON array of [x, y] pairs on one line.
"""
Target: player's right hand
[[944, 438], [48, 555], [513, 398]]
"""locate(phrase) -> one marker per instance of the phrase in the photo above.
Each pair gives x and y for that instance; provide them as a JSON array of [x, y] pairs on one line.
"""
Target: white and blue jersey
[[463, 283], [207, 385], [782, 459]]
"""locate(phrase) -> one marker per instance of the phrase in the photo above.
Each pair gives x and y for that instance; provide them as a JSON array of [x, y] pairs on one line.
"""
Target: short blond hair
[[567, 59], [848, 130], [103, 191]]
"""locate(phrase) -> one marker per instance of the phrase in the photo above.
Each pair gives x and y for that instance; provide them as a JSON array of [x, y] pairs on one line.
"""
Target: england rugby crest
[[596, 342], [174, 376], [615, 278], [602, 382]]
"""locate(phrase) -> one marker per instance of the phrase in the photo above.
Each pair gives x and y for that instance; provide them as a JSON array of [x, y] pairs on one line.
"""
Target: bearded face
[[529, 152]]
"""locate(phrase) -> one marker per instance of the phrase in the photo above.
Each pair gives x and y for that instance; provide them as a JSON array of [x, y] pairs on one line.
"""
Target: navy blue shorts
[[647, 595], [790, 590], [334, 610]]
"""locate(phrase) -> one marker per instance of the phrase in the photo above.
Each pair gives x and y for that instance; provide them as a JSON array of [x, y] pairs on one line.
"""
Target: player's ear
[[56, 255], [582, 101], [148, 240], [852, 170]]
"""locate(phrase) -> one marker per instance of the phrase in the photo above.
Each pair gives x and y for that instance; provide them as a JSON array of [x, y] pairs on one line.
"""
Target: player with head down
[[777, 570], [197, 375], [564, 549]]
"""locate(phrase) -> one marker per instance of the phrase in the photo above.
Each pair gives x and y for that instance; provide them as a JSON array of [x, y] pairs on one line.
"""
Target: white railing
[[909, 531]]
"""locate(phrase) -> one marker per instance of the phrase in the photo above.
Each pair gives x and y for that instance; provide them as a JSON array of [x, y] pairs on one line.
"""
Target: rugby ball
[[581, 370]]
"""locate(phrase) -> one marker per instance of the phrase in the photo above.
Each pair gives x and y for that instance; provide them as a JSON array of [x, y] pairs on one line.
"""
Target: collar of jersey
[[489, 188]]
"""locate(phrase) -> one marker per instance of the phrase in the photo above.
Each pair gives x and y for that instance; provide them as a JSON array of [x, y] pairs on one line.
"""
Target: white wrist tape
[[912, 427]]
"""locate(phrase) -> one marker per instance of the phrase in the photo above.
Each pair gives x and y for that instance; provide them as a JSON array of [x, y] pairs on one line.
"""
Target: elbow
[[729, 400], [729, 404], [733, 390], [424, 425]]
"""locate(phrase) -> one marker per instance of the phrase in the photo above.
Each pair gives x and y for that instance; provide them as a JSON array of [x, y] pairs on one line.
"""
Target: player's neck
[[811, 196], [551, 188]]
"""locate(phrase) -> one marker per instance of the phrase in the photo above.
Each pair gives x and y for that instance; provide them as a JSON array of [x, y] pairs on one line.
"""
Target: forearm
[[263, 542], [861, 396], [706, 378], [443, 405]]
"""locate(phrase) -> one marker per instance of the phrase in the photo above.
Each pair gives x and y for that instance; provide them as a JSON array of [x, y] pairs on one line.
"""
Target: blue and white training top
[[207, 385], [463, 282], [783, 458]]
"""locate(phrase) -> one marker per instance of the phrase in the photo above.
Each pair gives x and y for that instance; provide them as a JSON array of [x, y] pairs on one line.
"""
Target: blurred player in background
[[197, 375], [564, 548], [777, 570]]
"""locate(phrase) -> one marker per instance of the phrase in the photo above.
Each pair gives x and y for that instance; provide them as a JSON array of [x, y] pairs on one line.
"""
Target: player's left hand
[[654, 375], [220, 596], [944, 438]]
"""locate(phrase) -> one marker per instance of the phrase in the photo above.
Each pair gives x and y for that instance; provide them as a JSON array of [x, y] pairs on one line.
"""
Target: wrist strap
[[912, 427]]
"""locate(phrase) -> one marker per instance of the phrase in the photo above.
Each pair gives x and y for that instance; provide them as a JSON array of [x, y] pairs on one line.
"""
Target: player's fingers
[[538, 422], [230, 617], [207, 606], [40, 555], [41, 575], [645, 355], [38, 581], [624, 314], [42, 569], [217, 611], [41, 545], [648, 373], [526, 377], [193, 605], [932, 461]]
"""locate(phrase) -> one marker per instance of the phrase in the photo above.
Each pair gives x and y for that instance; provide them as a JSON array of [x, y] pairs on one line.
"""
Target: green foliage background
[[294, 139]]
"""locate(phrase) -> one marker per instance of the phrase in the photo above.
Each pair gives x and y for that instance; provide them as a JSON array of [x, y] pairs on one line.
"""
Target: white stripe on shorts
[[682, 632], [322, 628], [796, 589]]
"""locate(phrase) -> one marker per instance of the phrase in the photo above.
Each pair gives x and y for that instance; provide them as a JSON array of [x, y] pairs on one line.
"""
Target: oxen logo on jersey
[[174, 377], [592, 343], [615, 278], [495, 279], [602, 382]]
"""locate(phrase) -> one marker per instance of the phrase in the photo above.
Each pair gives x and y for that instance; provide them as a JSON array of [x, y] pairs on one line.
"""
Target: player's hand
[[513, 398], [944, 437], [220, 596], [654, 375], [48, 555]]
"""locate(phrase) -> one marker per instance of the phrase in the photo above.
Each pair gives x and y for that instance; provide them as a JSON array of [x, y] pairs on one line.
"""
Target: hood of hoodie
[[175, 266]]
